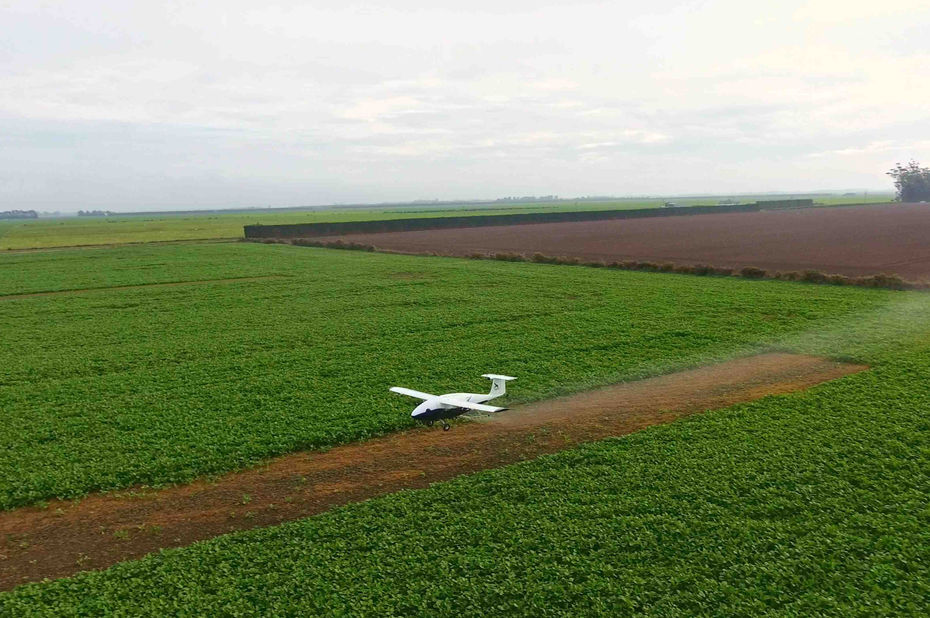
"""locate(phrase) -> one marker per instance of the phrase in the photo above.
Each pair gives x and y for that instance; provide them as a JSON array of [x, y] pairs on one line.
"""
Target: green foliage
[[911, 182], [751, 272], [51, 271], [150, 385], [809, 504]]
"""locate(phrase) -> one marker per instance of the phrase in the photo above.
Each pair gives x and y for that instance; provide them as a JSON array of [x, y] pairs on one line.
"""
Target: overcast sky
[[169, 105]]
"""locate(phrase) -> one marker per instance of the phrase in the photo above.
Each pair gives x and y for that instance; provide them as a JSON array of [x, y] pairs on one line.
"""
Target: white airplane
[[440, 407]]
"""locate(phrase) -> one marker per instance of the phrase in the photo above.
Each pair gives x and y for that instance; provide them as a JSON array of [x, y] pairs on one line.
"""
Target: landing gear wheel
[[446, 427], [429, 423]]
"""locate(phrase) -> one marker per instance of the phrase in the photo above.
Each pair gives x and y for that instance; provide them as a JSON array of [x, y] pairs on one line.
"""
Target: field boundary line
[[130, 243], [140, 285], [881, 281]]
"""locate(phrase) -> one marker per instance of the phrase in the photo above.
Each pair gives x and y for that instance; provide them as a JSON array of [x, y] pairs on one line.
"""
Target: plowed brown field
[[853, 240]]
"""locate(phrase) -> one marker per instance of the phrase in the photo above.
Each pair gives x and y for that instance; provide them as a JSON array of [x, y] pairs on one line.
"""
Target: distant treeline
[[19, 214], [94, 213]]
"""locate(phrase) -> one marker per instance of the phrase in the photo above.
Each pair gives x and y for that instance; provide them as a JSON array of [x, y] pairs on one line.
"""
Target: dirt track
[[854, 240], [100, 530]]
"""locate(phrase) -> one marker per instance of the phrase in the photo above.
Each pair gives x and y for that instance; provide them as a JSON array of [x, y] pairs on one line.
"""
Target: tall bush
[[911, 182]]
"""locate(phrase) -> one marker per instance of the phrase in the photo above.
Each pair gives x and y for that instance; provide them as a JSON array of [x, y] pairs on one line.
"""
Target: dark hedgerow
[[539, 258], [702, 269], [751, 272], [813, 276], [888, 281], [510, 257], [332, 244]]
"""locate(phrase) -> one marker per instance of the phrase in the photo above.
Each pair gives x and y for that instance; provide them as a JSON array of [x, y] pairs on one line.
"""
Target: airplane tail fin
[[498, 383]]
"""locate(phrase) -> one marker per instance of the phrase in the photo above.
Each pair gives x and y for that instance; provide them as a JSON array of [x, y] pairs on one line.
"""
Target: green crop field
[[117, 229], [103, 389], [813, 503]]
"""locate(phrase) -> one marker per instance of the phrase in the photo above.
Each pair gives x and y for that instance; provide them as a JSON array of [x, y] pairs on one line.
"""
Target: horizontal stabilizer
[[411, 393], [495, 376], [464, 403]]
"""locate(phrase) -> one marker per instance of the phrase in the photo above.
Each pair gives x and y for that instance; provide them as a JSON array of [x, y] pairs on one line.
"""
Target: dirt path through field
[[102, 529]]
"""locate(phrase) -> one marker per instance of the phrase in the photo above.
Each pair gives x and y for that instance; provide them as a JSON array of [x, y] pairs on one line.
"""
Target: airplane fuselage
[[442, 407], [434, 410]]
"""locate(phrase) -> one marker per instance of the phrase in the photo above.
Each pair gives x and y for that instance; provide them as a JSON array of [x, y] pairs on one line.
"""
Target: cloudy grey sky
[[143, 105]]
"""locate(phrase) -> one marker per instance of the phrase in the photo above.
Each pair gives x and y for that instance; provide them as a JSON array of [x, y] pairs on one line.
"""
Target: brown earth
[[852, 241], [70, 536]]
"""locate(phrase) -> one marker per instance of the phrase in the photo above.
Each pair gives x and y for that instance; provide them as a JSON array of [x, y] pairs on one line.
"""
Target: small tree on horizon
[[911, 182]]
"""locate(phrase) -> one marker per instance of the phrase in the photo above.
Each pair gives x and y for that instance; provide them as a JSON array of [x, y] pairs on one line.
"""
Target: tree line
[[19, 214]]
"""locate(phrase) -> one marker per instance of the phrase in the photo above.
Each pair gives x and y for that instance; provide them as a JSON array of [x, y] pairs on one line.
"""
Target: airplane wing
[[461, 403], [412, 393]]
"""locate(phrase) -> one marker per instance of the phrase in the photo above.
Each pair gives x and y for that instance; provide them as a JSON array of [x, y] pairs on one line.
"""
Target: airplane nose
[[421, 409]]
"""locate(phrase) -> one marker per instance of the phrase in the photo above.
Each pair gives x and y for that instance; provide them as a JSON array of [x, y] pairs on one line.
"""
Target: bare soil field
[[852, 241], [77, 535]]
